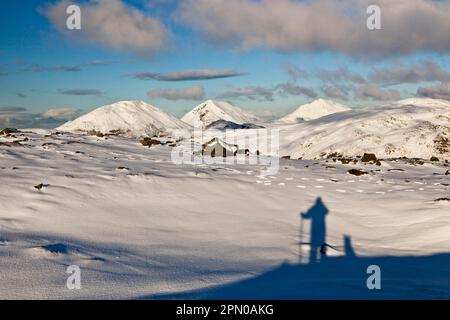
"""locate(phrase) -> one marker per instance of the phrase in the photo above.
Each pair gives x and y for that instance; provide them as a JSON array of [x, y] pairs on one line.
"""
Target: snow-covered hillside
[[316, 109], [408, 128], [140, 226], [132, 118], [211, 111]]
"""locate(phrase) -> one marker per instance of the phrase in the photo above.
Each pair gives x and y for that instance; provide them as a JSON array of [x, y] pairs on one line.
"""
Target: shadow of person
[[317, 214], [348, 248], [341, 277]]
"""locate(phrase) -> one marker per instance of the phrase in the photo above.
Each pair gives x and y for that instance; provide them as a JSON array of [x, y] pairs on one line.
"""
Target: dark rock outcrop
[[369, 157], [357, 172], [149, 142]]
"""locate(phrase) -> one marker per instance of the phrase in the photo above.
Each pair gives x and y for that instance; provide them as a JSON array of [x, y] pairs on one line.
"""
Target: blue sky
[[43, 67]]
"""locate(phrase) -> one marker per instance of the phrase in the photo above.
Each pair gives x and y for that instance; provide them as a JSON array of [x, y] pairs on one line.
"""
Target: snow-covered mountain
[[133, 118], [211, 111], [314, 110], [411, 128]]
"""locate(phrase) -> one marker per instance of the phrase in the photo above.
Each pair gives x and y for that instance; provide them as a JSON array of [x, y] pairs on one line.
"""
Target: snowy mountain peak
[[413, 128], [314, 110], [134, 118], [210, 111], [424, 102]]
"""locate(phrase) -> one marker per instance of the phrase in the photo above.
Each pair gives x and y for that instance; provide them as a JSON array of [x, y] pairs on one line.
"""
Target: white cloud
[[186, 75], [61, 113], [335, 92], [295, 72], [374, 92], [250, 93], [18, 117], [441, 91], [290, 88], [80, 92], [190, 93], [399, 73], [408, 26], [341, 75], [113, 25]]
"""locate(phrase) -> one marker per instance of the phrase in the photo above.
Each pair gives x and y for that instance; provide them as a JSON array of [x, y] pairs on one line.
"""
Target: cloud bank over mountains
[[19, 117], [408, 26]]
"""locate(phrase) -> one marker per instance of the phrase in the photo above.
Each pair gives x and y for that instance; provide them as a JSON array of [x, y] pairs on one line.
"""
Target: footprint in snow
[[60, 250], [52, 250]]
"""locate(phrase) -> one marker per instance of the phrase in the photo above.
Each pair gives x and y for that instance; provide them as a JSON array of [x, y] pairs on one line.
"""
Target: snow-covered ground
[[140, 226]]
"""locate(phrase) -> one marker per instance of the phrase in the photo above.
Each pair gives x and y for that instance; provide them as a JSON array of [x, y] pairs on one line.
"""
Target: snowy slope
[[316, 109], [140, 226], [134, 118], [411, 128], [211, 111]]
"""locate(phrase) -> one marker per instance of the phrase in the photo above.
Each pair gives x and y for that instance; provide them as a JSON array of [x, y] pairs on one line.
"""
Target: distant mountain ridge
[[133, 118], [211, 111], [314, 110], [417, 127]]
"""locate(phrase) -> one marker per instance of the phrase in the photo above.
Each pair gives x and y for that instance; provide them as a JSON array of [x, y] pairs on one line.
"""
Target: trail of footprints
[[320, 183]]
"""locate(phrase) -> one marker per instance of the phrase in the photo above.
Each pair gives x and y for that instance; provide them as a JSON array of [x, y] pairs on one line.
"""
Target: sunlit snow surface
[[141, 227]]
